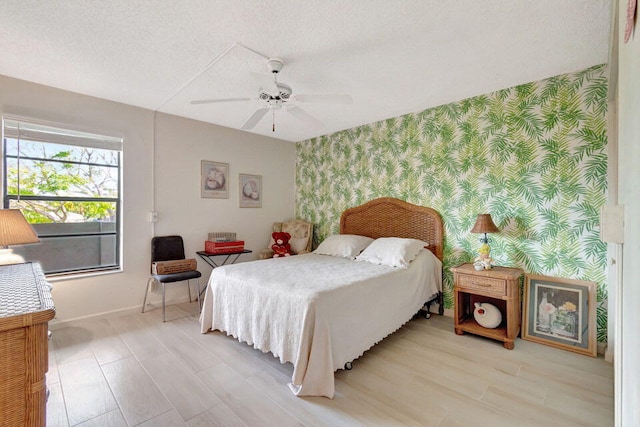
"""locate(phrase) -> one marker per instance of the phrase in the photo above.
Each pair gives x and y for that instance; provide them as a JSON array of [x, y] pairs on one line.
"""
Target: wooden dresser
[[26, 307]]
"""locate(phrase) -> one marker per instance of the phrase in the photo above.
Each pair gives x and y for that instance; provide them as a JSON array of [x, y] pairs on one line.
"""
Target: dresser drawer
[[485, 284]]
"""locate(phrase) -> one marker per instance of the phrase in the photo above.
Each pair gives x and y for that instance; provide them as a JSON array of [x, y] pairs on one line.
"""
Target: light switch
[[612, 223]]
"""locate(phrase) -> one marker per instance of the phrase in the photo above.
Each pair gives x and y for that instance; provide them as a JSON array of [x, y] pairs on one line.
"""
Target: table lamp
[[14, 230], [484, 224]]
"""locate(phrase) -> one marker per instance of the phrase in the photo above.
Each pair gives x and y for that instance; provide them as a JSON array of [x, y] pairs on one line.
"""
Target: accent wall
[[534, 156]]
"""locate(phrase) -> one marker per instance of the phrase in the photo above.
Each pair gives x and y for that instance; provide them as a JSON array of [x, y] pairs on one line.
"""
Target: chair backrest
[[298, 229], [167, 248]]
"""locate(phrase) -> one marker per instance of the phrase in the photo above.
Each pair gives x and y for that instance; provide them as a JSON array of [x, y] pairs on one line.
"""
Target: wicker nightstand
[[499, 286]]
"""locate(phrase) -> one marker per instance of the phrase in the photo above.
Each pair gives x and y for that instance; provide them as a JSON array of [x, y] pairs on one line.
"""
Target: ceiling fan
[[279, 96]]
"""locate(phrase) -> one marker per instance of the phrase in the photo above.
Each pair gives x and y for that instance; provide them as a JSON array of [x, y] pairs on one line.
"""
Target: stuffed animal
[[483, 260], [483, 263], [281, 247]]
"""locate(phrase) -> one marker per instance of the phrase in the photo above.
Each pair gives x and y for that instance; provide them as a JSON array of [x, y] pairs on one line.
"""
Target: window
[[67, 184]]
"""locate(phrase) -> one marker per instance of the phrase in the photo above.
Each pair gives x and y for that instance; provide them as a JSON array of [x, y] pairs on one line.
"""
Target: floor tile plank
[[86, 392], [138, 396], [168, 419], [56, 411], [185, 391], [110, 419], [218, 416], [246, 401]]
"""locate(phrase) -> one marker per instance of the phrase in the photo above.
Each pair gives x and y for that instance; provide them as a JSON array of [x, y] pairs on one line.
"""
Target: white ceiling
[[392, 56]]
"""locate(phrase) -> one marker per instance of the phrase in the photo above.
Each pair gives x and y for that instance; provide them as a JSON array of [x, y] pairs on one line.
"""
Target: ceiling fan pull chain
[[273, 120]]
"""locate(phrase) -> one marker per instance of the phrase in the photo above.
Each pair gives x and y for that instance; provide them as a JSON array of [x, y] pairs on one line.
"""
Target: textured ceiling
[[392, 56]]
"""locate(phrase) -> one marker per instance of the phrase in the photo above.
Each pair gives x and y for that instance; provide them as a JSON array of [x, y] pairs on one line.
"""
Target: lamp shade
[[14, 229], [484, 224]]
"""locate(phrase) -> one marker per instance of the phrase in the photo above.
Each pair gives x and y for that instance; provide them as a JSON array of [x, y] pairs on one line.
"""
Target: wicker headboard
[[389, 217]]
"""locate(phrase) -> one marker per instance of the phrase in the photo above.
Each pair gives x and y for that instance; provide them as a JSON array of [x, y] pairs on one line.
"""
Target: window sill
[[63, 277]]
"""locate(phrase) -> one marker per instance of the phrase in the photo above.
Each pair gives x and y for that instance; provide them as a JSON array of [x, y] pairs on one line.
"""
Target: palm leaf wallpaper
[[533, 156]]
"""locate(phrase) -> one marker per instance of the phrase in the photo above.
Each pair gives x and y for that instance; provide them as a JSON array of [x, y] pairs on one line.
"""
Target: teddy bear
[[281, 247]]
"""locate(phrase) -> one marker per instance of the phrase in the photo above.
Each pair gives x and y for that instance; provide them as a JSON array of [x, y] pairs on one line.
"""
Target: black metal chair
[[170, 248]]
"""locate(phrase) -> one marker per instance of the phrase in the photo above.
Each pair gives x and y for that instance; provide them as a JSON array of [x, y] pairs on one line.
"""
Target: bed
[[322, 312]]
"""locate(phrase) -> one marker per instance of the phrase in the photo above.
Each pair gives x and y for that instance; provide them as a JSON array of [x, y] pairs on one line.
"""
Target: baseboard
[[435, 307], [80, 321], [603, 349], [448, 312], [608, 355]]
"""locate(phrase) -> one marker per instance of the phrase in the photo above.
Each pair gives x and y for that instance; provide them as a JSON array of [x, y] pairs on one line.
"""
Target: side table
[[209, 257], [230, 258], [499, 286]]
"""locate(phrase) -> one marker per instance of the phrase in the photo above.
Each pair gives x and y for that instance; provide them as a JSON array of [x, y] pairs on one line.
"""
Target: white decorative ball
[[487, 315]]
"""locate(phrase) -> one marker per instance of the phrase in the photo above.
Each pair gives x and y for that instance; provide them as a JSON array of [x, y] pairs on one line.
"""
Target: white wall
[[179, 147], [629, 196]]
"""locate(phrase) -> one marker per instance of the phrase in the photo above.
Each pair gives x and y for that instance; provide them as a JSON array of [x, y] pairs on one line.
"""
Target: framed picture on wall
[[250, 191], [214, 180], [560, 313]]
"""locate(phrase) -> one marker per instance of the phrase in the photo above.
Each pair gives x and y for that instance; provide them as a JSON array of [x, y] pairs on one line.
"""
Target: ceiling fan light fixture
[[284, 93], [285, 90]]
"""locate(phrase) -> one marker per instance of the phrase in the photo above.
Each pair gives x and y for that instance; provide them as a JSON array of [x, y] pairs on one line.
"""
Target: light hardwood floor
[[134, 370]]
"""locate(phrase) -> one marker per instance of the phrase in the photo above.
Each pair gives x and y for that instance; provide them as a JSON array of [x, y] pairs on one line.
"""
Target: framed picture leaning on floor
[[560, 313]]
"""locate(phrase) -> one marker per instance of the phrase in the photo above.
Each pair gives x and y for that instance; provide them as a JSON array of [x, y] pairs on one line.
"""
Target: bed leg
[[427, 311], [348, 366], [441, 304]]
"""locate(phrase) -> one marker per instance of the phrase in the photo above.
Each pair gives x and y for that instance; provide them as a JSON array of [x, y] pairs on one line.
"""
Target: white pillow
[[392, 251], [343, 245]]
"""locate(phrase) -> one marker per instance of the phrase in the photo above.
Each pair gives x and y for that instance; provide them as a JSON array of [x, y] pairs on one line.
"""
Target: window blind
[[19, 129]]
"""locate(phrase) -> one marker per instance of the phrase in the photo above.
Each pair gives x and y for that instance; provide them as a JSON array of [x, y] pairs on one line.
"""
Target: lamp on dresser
[[14, 230]]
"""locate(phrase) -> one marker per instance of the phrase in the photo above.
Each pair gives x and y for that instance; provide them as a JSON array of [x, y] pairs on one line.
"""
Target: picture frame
[[250, 195], [214, 180], [560, 313]]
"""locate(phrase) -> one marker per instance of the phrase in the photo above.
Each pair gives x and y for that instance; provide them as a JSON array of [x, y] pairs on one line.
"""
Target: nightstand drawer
[[485, 284]]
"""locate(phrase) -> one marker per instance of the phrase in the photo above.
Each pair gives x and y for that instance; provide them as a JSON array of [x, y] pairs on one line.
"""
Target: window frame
[[91, 140]]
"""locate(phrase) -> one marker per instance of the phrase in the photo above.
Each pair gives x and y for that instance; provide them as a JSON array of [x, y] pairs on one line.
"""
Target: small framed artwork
[[214, 180], [560, 313], [250, 191]]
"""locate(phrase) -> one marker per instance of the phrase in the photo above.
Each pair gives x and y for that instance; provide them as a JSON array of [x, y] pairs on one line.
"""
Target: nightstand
[[499, 286]]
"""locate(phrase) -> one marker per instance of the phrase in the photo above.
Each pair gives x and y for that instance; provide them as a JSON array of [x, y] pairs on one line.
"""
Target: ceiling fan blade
[[255, 118], [303, 116], [266, 82], [325, 99], [213, 101]]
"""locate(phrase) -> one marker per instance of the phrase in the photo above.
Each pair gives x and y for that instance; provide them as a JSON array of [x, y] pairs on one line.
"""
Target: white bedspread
[[316, 311]]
